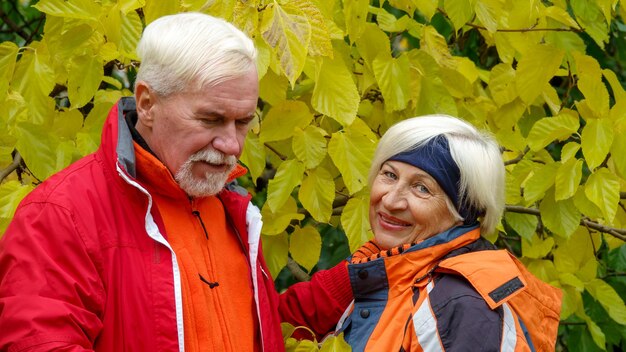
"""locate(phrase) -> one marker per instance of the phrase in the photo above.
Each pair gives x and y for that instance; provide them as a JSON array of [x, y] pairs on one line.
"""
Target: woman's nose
[[395, 198]]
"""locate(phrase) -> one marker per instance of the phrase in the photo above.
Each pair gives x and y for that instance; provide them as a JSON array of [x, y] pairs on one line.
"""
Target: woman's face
[[407, 205]]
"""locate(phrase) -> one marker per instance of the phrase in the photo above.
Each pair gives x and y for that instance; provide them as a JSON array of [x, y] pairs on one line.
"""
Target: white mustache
[[215, 157]]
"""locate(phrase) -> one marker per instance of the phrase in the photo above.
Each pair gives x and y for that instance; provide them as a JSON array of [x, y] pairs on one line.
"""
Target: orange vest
[[218, 306], [416, 298]]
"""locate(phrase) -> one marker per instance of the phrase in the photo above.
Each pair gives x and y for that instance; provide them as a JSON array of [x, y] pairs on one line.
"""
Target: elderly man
[[147, 245]]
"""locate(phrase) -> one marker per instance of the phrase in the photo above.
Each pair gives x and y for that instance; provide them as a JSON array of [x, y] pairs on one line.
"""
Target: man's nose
[[227, 140]]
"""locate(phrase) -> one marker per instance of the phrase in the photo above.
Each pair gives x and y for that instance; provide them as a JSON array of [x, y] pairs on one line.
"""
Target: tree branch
[[14, 27], [523, 30], [615, 232], [17, 159], [297, 272]]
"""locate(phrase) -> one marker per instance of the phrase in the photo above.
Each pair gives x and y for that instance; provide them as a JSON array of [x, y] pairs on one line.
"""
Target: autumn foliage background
[[546, 77]]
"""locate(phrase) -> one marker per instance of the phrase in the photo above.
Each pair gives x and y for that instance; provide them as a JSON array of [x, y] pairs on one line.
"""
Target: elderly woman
[[429, 281]]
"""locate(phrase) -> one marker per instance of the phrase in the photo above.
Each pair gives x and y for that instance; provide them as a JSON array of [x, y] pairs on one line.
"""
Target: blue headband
[[434, 157]]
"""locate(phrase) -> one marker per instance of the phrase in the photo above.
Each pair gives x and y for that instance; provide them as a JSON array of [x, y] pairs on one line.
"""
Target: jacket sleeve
[[317, 304], [51, 295]]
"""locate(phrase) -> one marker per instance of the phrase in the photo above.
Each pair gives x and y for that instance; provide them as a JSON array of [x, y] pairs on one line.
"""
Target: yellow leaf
[[83, 81], [310, 145], [561, 217], [351, 151], [288, 176], [273, 88], [525, 225], [34, 79], [616, 86], [552, 128], [585, 205], [354, 220], [335, 344], [131, 29], [609, 299], [320, 44], [355, 15], [428, 8], [572, 302], [392, 77], [78, 9], [305, 246], [596, 333], [617, 151], [275, 252], [11, 194], [569, 151], [541, 180], [253, 156], [537, 248], [459, 11], [596, 140], [281, 120], [435, 44], [317, 194], [567, 179], [559, 15], [535, 69], [603, 189], [591, 85], [488, 12], [335, 93], [287, 30], [8, 56], [372, 43], [276, 222]]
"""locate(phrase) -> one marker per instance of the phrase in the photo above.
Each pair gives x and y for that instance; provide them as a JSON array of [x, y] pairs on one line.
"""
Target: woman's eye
[[390, 175], [421, 188]]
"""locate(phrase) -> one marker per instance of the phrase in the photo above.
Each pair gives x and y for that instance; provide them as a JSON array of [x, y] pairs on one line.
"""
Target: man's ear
[[145, 100]]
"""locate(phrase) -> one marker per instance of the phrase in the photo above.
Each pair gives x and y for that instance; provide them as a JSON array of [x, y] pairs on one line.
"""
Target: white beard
[[212, 182]]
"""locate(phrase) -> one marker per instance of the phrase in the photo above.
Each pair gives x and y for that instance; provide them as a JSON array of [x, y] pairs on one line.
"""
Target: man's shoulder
[[73, 183]]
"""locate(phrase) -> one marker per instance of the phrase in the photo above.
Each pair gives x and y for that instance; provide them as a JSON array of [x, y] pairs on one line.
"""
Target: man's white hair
[[192, 48], [476, 153]]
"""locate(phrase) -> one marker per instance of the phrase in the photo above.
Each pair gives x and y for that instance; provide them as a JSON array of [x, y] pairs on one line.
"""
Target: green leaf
[[253, 156], [355, 221], [459, 11], [310, 145], [288, 176], [552, 128], [535, 69], [603, 189], [287, 30], [541, 180], [305, 246], [276, 222], [335, 344], [596, 140], [567, 179], [524, 225], [335, 93], [78, 9], [560, 217], [392, 75], [537, 248], [609, 299], [281, 121], [276, 252], [83, 81], [11, 194], [351, 150], [317, 193]]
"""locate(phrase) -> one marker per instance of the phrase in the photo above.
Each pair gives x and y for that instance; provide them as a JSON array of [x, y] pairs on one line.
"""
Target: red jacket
[[85, 264]]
